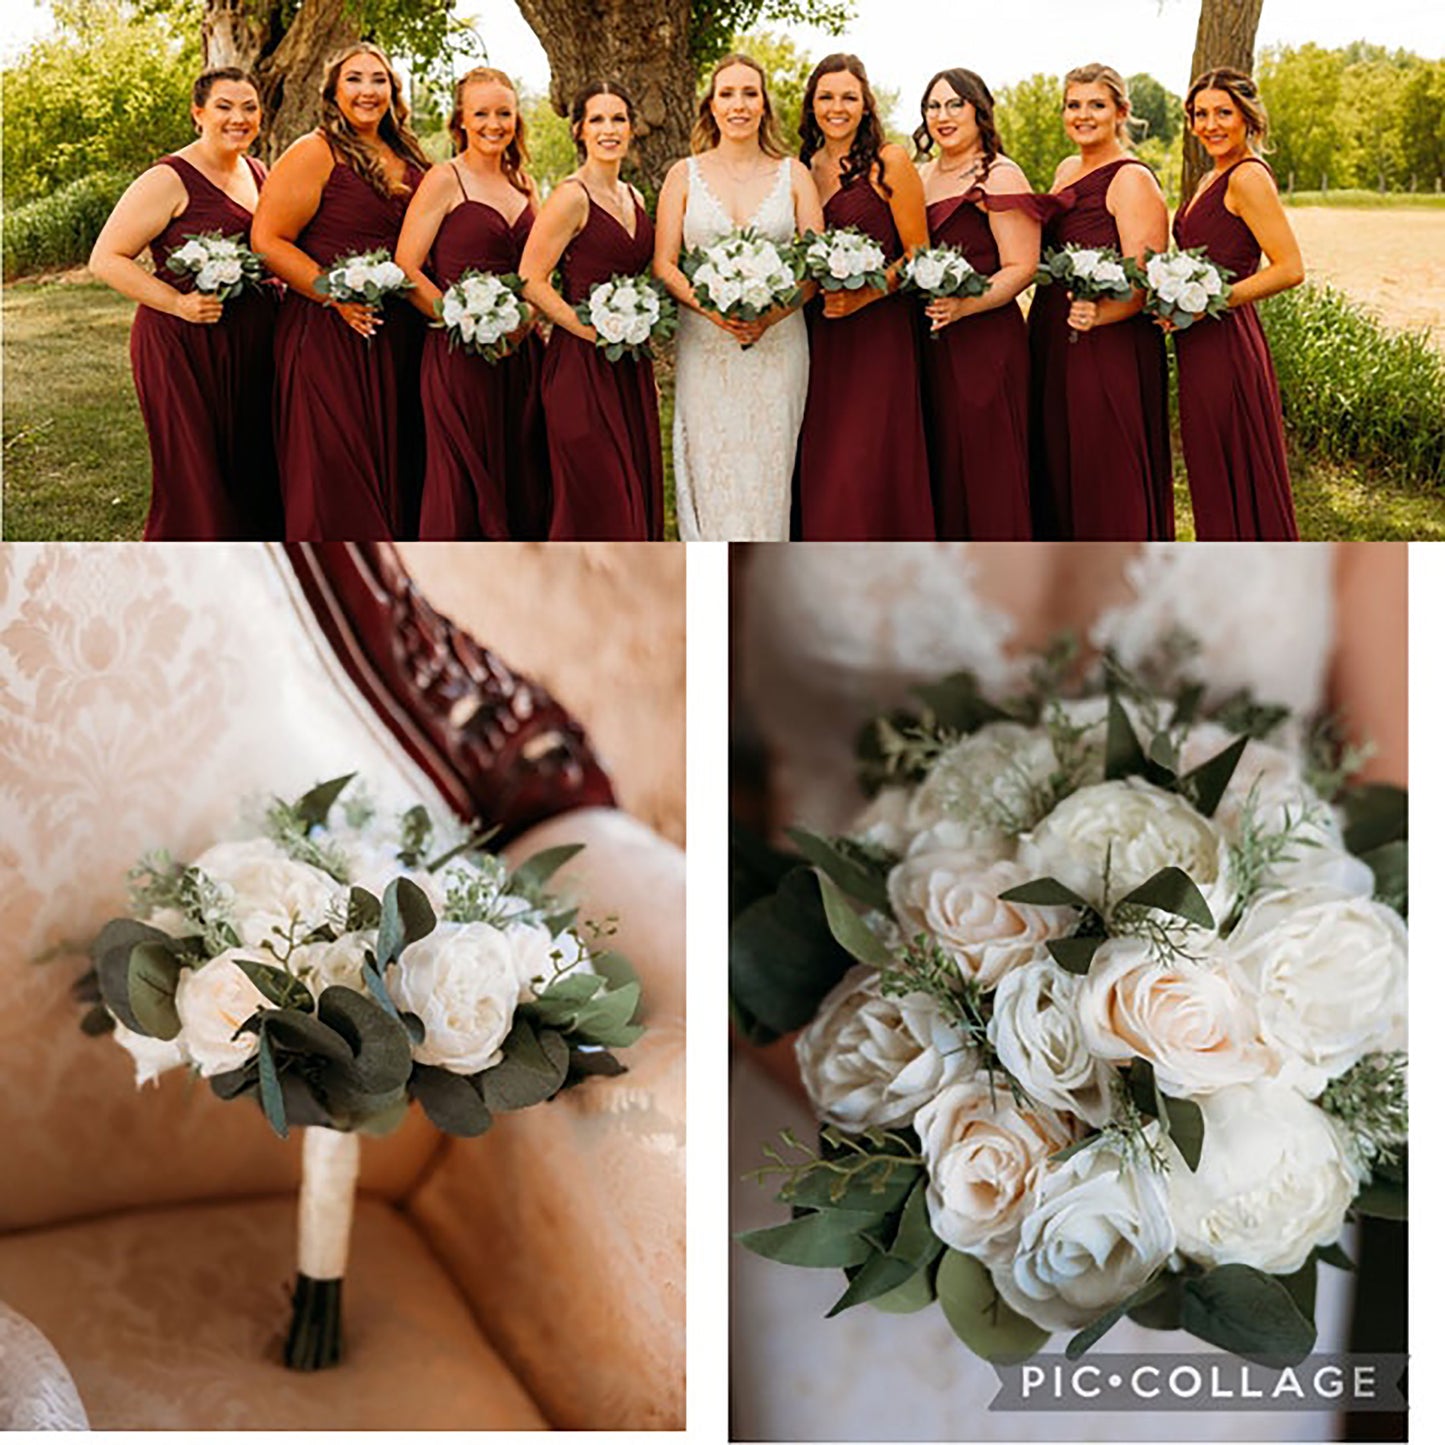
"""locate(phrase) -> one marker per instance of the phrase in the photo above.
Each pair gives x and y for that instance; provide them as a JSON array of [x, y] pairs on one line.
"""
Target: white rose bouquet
[[843, 258], [940, 271], [1087, 273], [480, 310], [628, 313], [742, 276], [336, 965], [222, 265], [368, 277], [1181, 286], [1103, 1013]]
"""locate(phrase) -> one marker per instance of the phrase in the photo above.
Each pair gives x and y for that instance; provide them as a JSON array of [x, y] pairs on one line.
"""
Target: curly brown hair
[[862, 159], [969, 86], [347, 147], [705, 132], [514, 158]]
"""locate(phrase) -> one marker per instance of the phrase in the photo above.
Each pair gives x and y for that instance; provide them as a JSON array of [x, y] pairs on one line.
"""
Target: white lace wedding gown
[[835, 633], [737, 413]]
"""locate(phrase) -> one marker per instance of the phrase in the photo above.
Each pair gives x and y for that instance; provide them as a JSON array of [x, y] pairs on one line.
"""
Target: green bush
[[1355, 391], [59, 230]]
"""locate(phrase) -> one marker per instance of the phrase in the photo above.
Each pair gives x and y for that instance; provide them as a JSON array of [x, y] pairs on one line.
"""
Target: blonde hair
[[514, 158], [1240, 89], [347, 146], [1126, 129], [705, 131]]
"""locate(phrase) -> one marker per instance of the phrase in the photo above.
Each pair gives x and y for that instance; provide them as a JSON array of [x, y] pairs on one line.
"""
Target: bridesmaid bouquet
[[480, 310], [1181, 286], [336, 965], [222, 265], [629, 313], [1103, 1009], [843, 258], [742, 276], [1088, 273], [368, 277], [940, 271]]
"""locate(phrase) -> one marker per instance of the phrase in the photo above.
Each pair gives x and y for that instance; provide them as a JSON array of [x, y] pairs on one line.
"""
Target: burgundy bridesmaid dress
[[205, 391], [976, 397], [603, 434], [348, 413], [486, 450], [1229, 415], [862, 457], [1099, 443]]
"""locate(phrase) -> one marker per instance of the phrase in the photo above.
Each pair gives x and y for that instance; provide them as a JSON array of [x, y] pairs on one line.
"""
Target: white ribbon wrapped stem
[[329, 1164]]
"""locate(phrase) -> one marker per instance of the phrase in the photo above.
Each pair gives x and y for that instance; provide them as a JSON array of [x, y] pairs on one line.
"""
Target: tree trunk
[[287, 61], [641, 43], [1225, 37]]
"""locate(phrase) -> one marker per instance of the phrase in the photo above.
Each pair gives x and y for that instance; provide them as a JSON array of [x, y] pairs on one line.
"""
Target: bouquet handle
[[329, 1164]]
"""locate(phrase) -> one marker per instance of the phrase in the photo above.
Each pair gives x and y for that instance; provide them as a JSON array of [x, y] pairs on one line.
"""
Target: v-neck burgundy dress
[[348, 412], [862, 456], [603, 434], [1099, 433], [486, 450], [205, 391], [1229, 412], [976, 397]]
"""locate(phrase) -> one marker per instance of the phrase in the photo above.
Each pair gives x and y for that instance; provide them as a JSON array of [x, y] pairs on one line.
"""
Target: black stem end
[[314, 1340]]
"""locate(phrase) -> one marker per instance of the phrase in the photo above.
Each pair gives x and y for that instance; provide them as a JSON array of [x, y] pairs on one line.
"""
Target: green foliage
[[787, 70], [549, 141], [1353, 390], [715, 24], [59, 230], [1159, 108], [109, 91], [1030, 125]]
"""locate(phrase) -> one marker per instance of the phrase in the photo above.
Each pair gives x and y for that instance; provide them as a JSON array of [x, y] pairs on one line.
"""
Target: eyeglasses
[[947, 107]]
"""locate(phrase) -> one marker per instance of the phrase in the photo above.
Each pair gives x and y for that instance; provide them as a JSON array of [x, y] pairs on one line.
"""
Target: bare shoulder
[[1006, 178], [310, 156], [568, 200], [1067, 171], [677, 174], [436, 181], [1252, 181], [892, 157], [1136, 182]]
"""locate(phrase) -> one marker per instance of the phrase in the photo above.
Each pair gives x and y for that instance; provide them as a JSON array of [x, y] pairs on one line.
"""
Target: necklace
[[962, 169]]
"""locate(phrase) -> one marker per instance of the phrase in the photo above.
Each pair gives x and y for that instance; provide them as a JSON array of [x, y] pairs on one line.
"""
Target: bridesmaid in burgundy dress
[[1100, 413], [486, 451], [202, 367], [603, 433], [348, 419], [862, 456], [1229, 416], [976, 367]]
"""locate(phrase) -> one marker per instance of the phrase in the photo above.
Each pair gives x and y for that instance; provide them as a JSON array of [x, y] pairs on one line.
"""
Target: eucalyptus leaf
[[871, 1189], [406, 916], [533, 1068], [979, 1317], [537, 871], [1333, 1254], [858, 876], [1045, 893], [295, 1032], [849, 930], [303, 1109], [1172, 890], [606, 1018], [273, 1102], [958, 703], [1382, 1199], [1301, 1286], [380, 1045], [111, 952], [584, 1063], [1122, 754], [914, 1294], [376, 986], [1375, 814], [1186, 1128], [1206, 784], [277, 986], [1074, 955], [755, 869], [1096, 1329], [879, 1275], [152, 977], [1161, 1311], [363, 910], [615, 968], [915, 1242], [453, 1103], [1248, 1313], [829, 1239], [97, 1020], [1390, 863], [313, 807]]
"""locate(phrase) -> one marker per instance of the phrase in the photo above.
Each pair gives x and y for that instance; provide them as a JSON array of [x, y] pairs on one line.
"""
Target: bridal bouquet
[[628, 313], [480, 310], [222, 265], [941, 271], [1181, 286], [1088, 273], [336, 965], [843, 258], [368, 277], [1102, 1009], [742, 276]]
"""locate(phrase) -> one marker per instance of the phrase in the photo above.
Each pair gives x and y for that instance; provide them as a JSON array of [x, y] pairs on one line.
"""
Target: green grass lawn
[[1366, 200], [76, 465]]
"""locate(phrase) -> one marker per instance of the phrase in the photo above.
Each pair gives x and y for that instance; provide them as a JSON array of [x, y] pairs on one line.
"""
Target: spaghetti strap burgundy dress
[[603, 434], [976, 398], [348, 415], [1099, 430], [1229, 412], [862, 457], [205, 391], [486, 450]]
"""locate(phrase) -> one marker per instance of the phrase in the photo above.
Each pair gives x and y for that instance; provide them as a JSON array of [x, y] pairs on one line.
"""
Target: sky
[[1003, 43]]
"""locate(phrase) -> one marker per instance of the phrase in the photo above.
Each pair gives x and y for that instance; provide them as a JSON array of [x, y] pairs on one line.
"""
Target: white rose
[[540, 957], [461, 980], [1138, 829], [726, 293], [206, 279], [1274, 1181], [193, 253], [1193, 1019], [638, 330], [389, 276], [953, 897], [213, 1001], [1193, 297], [981, 1149], [453, 309], [928, 272], [872, 1061], [1035, 1029], [1328, 972], [152, 1057], [840, 263], [356, 276], [1086, 263], [706, 275], [228, 271], [270, 894], [610, 326], [1169, 289], [757, 293], [333, 965], [1182, 266], [1096, 1227], [1156, 270], [885, 820], [1110, 273], [1211, 280]]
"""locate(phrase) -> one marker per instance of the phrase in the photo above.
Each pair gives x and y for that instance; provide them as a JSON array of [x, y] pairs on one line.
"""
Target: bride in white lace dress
[[737, 411], [834, 633]]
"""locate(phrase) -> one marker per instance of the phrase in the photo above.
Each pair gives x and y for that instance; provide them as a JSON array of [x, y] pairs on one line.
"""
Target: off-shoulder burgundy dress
[[976, 397], [1229, 415], [486, 450], [603, 435], [348, 412], [862, 457], [1099, 430], [205, 391]]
